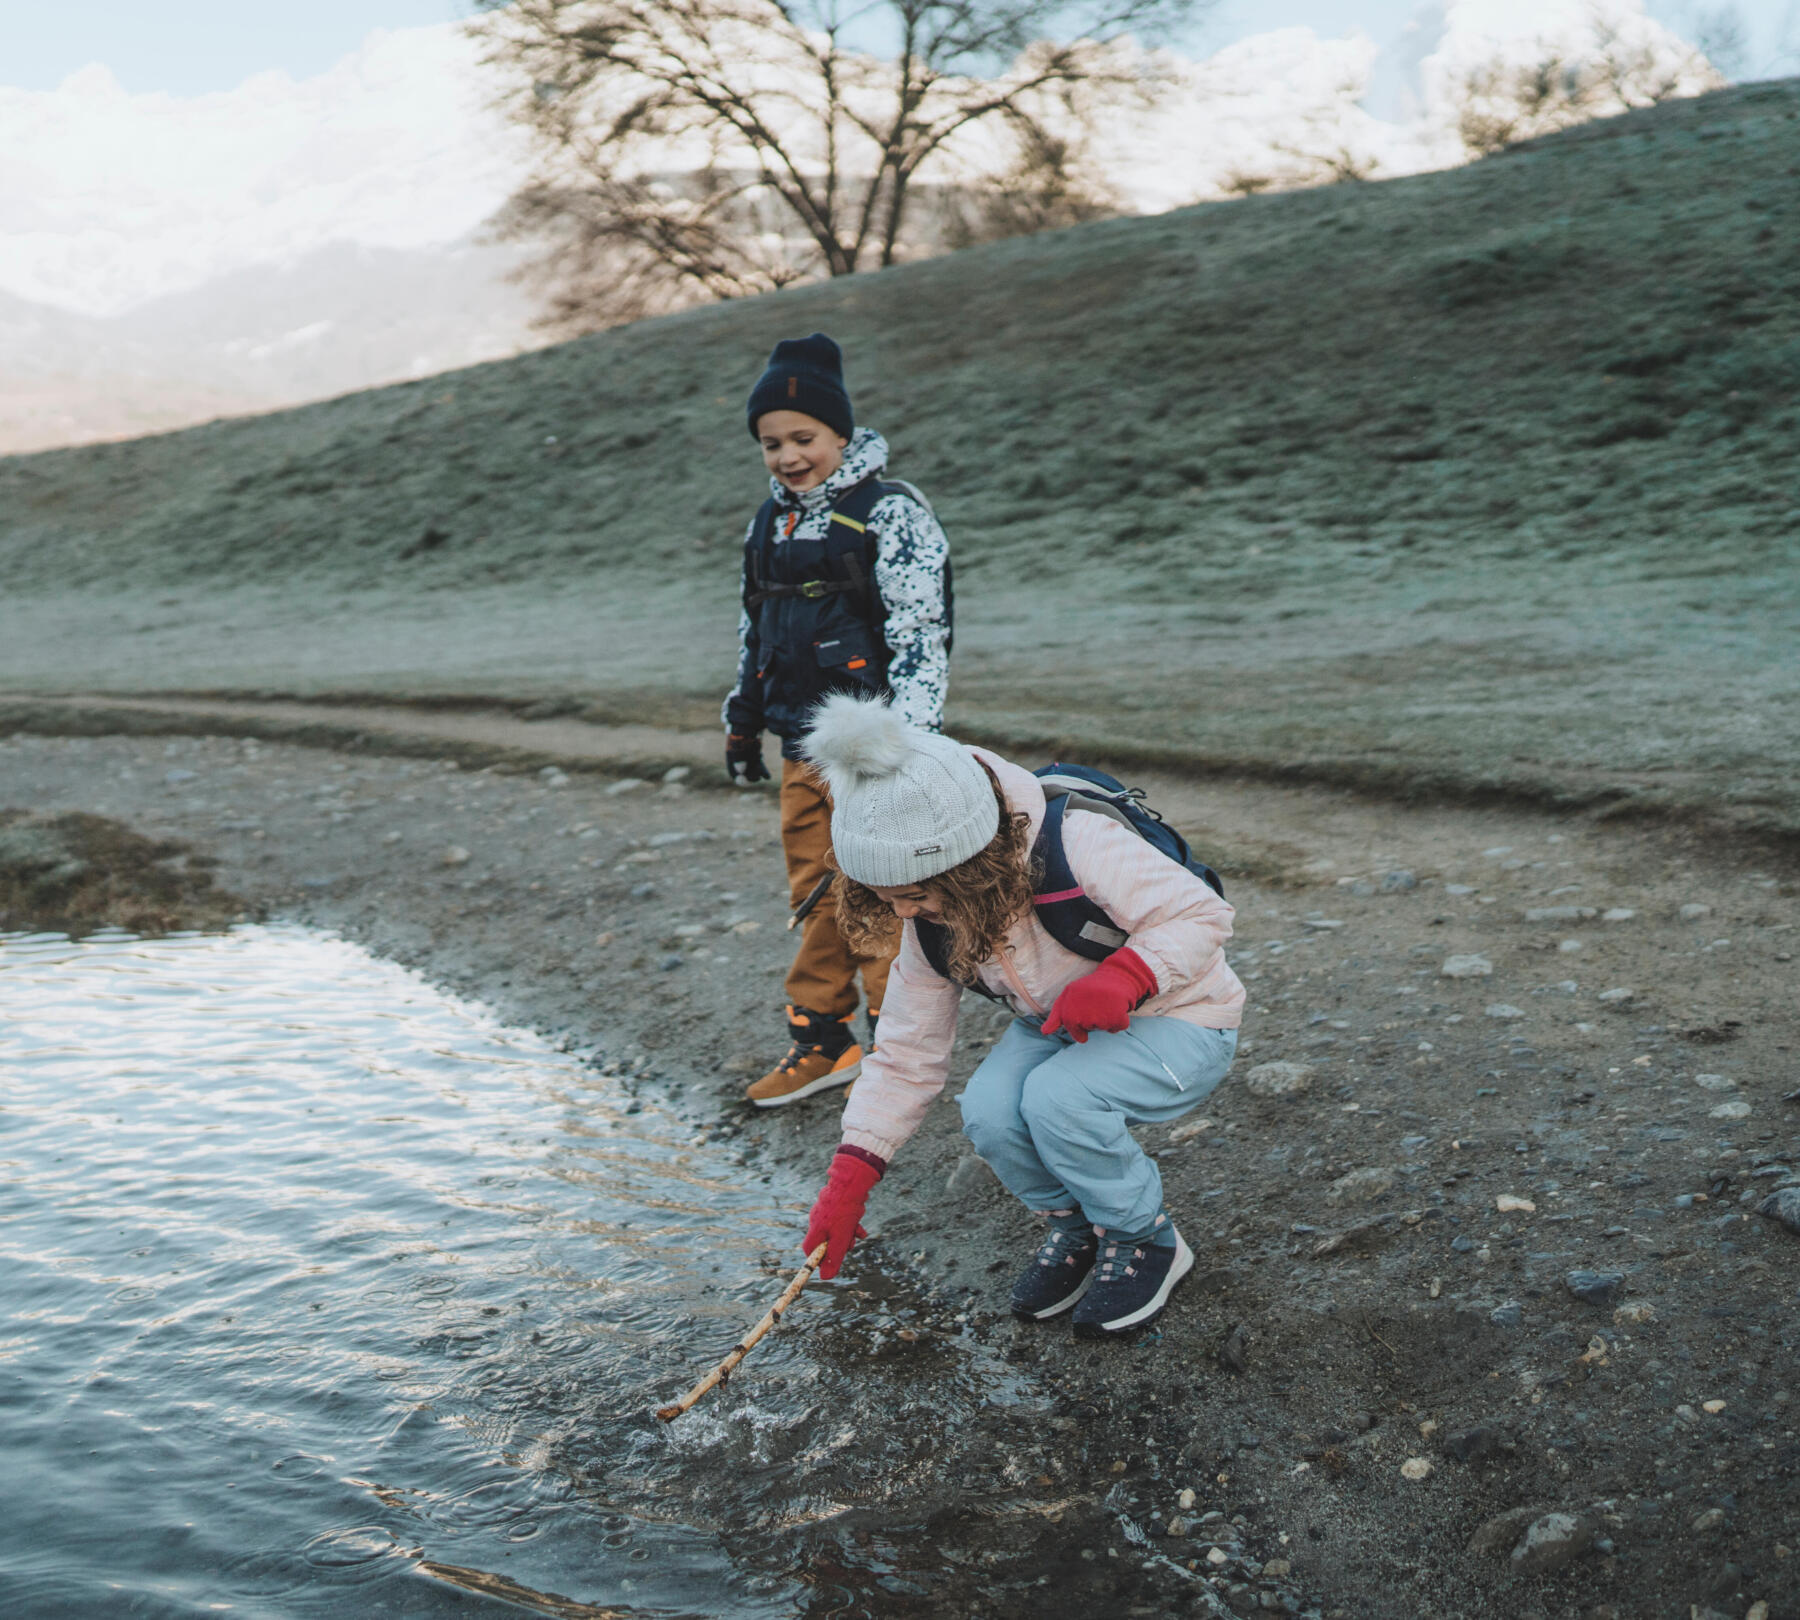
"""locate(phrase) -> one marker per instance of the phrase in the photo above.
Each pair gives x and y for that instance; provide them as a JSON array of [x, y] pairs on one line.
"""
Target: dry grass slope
[[1477, 482]]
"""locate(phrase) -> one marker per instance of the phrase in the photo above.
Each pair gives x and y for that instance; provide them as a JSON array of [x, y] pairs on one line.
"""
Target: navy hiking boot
[[1058, 1275], [1131, 1286]]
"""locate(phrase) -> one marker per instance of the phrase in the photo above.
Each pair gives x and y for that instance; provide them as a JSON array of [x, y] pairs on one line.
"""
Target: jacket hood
[[864, 456], [1023, 790]]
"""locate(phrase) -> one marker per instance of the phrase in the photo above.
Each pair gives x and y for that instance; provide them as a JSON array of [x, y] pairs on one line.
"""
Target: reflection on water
[[324, 1293]]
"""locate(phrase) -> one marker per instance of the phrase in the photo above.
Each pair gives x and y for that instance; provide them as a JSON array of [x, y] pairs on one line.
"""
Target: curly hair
[[979, 899]]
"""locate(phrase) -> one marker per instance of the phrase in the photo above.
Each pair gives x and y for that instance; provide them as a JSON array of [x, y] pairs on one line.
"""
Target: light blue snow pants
[[1052, 1117]]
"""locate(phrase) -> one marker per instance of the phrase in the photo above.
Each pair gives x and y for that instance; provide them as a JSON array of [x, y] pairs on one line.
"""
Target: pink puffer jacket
[[1175, 922]]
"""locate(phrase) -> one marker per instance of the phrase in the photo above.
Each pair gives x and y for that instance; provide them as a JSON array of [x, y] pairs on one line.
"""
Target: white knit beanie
[[906, 804]]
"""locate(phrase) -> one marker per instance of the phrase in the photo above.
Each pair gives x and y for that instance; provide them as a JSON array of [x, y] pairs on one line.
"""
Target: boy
[[846, 588]]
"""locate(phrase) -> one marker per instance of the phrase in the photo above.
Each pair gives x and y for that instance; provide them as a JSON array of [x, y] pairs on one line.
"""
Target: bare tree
[[696, 149], [1500, 104]]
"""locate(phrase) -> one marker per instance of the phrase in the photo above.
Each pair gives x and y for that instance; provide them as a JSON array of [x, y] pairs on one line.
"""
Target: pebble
[[1569, 946], [1783, 1206], [1635, 1314], [1552, 1542], [677, 773], [1217, 1556], [1188, 1130], [1478, 1445], [1538, 914], [1185, 1499], [1693, 911], [551, 777], [1511, 1314], [1714, 1407], [1595, 1287], [1398, 881], [1708, 1521], [1459, 889], [1504, 1009], [1618, 914], [1503, 1532], [642, 891], [177, 776], [1513, 1204], [1620, 994], [1737, 1108], [1715, 1082], [626, 784], [1278, 1079], [1360, 1186], [1467, 967], [1323, 922], [1415, 1468], [669, 963], [455, 855]]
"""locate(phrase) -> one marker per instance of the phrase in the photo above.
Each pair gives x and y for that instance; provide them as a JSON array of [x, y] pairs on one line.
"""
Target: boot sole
[[825, 1082], [1152, 1308], [1060, 1306]]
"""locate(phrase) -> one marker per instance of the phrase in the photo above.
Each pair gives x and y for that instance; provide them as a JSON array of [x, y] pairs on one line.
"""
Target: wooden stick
[[722, 1373]]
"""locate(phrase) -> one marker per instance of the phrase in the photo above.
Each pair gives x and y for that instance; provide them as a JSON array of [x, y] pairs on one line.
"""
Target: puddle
[[323, 1292]]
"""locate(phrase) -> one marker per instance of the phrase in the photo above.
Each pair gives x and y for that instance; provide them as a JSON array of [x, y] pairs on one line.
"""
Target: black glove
[[743, 758]]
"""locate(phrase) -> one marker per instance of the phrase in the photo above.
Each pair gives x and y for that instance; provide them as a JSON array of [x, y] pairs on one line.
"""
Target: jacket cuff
[[849, 1150]]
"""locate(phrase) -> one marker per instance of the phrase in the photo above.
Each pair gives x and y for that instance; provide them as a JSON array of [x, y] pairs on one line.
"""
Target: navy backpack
[[1073, 920]]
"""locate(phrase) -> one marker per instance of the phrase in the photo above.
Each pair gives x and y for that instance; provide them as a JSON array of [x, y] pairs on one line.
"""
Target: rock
[[1541, 914], [1783, 1205], [1415, 1468], [1737, 1108], [1511, 1314], [1188, 1129], [1504, 1009], [643, 891], [1185, 1499], [1707, 1522], [626, 784], [1459, 889], [1481, 1444], [1715, 1082], [1635, 1314], [1693, 911], [1360, 1238], [677, 773], [1467, 967], [1360, 1186], [1323, 922], [1570, 946], [968, 1175], [1618, 914], [1552, 1542], [551, 777], [1504, 1531], [455, 855], [1276, 1568], [1513, 1204], [1231, 1354], [1615, 996], [1278, 1079], [1713, 1408], [1398, 881], [672, 961], [175, 777], [1595, 1287]]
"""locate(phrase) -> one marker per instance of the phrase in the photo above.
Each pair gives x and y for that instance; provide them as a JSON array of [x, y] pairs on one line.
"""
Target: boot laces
[[1115, 1263], [1060, 1248]]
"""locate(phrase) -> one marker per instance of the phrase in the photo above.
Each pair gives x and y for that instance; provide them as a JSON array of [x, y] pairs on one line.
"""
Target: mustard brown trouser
[[823, 977]]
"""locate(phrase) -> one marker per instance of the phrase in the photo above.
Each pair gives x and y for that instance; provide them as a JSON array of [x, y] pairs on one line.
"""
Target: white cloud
[[108, 199]]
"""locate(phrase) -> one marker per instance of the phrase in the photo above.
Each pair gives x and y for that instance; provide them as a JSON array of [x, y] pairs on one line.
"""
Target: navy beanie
[[806, 375]]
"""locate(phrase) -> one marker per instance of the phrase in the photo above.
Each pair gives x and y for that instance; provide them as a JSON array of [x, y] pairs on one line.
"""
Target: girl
[[933, 833]]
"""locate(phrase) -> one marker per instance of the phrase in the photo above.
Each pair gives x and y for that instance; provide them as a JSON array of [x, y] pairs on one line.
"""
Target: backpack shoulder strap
[[852, 510], [756, 552], [1070, 917], [934, 944]]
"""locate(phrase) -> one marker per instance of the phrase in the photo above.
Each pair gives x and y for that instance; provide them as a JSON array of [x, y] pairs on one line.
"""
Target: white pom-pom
[[854, 740]]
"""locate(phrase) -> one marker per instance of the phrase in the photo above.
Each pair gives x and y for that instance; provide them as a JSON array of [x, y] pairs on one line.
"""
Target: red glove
[[1103, 999], [836, 1216]]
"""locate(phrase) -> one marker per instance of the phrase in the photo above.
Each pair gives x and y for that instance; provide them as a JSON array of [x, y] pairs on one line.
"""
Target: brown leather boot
[[824, 1054]]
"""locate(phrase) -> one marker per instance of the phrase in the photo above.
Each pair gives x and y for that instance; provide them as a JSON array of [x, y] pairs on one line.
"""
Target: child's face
[[799, 450], [913, 900]]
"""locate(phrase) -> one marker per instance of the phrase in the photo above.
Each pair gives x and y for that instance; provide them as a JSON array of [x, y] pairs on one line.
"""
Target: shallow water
[[322, 1292]]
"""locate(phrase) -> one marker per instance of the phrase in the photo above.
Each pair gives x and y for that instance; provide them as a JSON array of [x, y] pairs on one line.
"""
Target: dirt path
[[1381, 1352]]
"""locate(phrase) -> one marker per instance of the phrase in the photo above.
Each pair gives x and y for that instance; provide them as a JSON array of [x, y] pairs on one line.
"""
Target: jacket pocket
[[847, 657]]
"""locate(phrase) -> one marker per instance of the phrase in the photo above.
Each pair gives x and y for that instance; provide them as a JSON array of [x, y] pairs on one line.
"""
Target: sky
[[145, 149], [191, 47]]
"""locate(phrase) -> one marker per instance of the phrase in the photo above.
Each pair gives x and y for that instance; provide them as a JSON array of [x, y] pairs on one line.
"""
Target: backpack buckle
[[813, 589]]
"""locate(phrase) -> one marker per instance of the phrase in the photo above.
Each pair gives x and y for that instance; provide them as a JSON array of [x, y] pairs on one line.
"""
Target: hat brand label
[[929, 849]]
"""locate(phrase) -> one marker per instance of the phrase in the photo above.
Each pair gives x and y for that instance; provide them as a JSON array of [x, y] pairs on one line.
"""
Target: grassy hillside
[[1485, 478]]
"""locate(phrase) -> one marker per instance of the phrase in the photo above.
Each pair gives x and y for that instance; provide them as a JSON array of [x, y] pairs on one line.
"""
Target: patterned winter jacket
[[911, 552], [1175, 923]]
